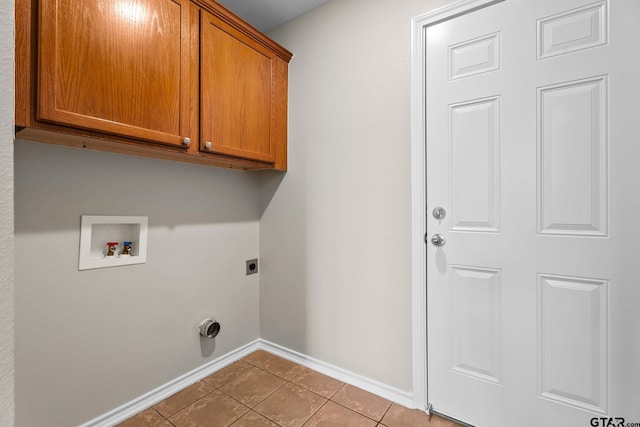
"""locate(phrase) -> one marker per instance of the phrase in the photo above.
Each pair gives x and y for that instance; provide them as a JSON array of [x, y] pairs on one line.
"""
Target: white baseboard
[[149, 399], [393, 394]]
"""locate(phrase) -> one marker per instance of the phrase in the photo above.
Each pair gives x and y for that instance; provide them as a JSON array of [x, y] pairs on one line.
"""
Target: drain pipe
[[209, 328]]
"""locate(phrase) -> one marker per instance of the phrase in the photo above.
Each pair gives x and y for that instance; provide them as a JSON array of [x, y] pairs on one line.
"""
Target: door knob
[[438, 240]]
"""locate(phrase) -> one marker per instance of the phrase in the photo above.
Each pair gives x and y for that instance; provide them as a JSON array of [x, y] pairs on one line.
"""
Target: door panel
[[573, 158], [475, 165], [573, 30], [573, 349], [475, 56], [476, 313], [531, 151]]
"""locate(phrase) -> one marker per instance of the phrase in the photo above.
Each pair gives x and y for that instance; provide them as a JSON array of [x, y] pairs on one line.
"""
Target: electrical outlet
[[252, 266]]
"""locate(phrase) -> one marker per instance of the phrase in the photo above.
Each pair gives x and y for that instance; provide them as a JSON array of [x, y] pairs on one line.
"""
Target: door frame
[[419, 91]]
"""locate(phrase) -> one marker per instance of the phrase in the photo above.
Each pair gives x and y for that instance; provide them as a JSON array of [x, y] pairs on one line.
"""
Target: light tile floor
[[263, 390]]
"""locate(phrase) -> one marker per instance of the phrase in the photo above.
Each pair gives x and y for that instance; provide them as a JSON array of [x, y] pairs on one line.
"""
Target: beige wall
[[335, 236], [90, 341], [6, 217]]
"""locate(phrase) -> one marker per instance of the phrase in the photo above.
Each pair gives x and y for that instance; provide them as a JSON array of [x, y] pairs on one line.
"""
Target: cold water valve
[[126, 249]]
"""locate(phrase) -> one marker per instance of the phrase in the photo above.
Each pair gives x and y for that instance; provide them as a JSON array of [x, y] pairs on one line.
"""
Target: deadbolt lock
[[439, 213]]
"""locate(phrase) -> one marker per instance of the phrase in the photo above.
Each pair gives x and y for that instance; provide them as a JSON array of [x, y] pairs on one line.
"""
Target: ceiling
[[267, 14]]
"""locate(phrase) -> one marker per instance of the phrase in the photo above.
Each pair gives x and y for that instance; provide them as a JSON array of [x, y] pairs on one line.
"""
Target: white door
[[533, 151]]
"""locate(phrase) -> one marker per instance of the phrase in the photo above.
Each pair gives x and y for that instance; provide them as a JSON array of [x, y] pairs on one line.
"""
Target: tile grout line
[[188, 404], [352, 410], [250, 409], [385, 414], [237, 376], [290, 381], [265, 398], [312, 415], [211, 392], [286, 382], [163, 417], [255, 412], [263, 366], [327, 399], [366, 416]]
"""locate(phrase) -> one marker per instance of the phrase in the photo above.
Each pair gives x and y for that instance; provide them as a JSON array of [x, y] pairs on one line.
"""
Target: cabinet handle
[[207, 145], [186, 141]]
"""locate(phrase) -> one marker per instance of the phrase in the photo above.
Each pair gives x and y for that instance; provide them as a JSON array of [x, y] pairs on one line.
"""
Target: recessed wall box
[[96, 231], [252, 266]]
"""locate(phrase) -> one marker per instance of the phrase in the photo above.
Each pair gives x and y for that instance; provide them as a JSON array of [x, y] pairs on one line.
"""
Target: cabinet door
[[118, 67], [237, 88]]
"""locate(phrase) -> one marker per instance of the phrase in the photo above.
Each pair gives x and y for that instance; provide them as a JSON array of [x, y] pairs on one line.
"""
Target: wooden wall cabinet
[[175, 79]]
